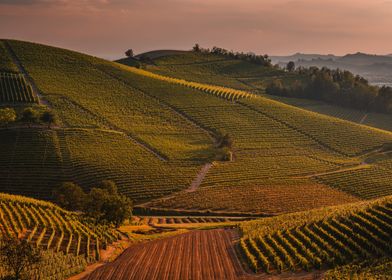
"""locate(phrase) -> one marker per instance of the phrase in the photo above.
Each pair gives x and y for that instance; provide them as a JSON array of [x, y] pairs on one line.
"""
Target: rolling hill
[[192, 133], [152, 134]]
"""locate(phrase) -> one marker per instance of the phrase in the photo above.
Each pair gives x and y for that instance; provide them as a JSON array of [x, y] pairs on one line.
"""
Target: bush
[[7, 115], [30, 115]]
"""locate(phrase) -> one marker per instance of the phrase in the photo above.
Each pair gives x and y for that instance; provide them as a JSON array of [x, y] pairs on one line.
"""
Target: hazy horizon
[[106, 28]]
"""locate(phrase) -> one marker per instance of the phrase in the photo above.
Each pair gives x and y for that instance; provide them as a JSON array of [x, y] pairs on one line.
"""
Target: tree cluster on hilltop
[[338, 87], [249, 57]]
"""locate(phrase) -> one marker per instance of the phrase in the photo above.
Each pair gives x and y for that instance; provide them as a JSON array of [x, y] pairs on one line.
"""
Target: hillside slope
[[152, 135], [215, 69], [318, 239]]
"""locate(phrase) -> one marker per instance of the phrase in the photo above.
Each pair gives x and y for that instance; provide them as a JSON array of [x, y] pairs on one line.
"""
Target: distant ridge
[[159, 53]]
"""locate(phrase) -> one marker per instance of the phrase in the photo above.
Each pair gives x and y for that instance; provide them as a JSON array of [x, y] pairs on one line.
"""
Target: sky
[[106, 28]]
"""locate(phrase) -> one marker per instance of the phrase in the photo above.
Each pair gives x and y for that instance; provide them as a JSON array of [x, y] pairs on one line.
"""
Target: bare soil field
[[195, 255]]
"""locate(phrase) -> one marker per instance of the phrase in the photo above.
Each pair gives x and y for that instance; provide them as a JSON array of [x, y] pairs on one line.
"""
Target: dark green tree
[[30, 115], [129, 53], [17, 256], [70, 196], [48, 117], [290, 66], [196, 48]]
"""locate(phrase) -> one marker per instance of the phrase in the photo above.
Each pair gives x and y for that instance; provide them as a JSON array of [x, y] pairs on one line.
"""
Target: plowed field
[[195, 255]]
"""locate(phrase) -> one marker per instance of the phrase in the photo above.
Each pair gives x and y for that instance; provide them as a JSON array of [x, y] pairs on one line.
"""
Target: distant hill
[[376, 68], [159, 53], [302, 56]]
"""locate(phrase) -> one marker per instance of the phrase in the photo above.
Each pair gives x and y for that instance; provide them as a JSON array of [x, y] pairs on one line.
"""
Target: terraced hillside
[[51, 227], [152, 135], [14, 89], [320, 238]]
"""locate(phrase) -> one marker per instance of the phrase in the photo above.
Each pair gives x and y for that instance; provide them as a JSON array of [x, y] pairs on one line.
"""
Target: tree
[[48, 117], [104, 204], [290, 66], [225, 141], [129, 53], [117, 209], [17, 256], [29, 115], [196, 48], [95, 200], [7, 115], [110, 186], [70, 196]]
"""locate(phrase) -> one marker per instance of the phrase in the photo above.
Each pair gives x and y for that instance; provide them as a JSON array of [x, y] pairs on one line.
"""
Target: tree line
[[338, 87], [29, 115], [262, 60]]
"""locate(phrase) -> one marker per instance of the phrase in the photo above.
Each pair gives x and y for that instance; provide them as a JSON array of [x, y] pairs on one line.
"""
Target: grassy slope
[[100, 103]]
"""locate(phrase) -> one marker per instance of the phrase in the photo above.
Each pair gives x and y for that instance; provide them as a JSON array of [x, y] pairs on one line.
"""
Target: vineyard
[[151, 134], [273, 198], [34, 162], [377, 120], [51, 228], [369, 182], [14, 89], [162, 220], [222, 92], [329, 238], [242, 75], [54, 265]]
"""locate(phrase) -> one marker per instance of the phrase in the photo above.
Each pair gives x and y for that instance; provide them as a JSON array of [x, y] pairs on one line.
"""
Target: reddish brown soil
[[195, 255], [201, 254]]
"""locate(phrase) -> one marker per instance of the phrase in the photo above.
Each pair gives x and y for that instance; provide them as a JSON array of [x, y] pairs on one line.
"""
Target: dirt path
[[363, 118], [199, 178], [356, 167], [193, 187], [22, 70]]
